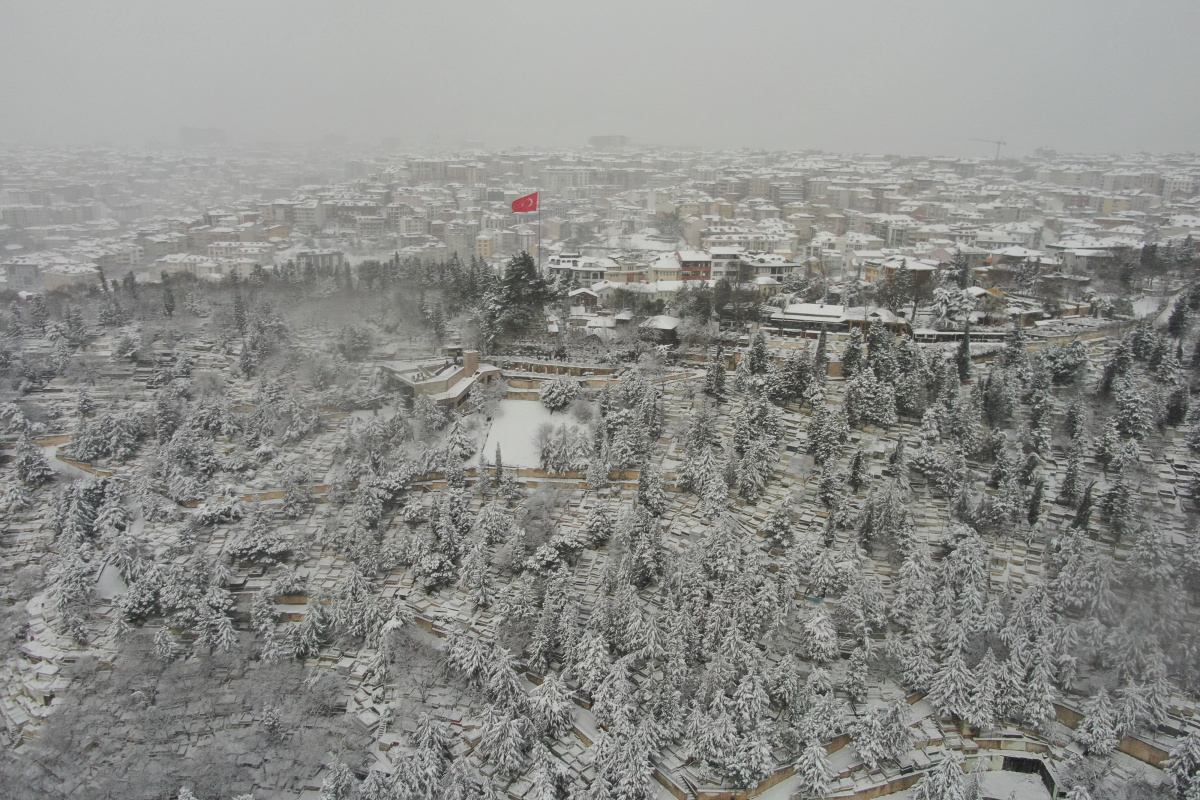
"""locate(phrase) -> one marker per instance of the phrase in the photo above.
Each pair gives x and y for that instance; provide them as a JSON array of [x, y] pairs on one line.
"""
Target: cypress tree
[[962, 358]]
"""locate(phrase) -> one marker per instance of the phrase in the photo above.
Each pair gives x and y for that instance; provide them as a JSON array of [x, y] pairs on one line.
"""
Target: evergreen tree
[[827, 432], [31, 466], [1097, 733], [39, 314], [1184, 767], [820, 636], [168, 301], [757, 355], [943, 782], [883, 733], [962, 356], [714, 376], [815, 773], [821, 356], [504, 741], [557, 394], [950, 693], [852, 356], [1083, 512], [778, 529], [650, 491], [522, 294], [754, 469], [797, 374], [960, 269], [551, 708], [869, 401], [263, 541], [981, 710]]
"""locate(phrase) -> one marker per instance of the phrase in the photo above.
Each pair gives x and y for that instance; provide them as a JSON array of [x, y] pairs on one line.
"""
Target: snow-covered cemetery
[[325, 473]]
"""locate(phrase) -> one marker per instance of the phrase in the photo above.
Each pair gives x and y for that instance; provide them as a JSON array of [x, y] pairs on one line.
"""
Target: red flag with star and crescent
[[526, 203]]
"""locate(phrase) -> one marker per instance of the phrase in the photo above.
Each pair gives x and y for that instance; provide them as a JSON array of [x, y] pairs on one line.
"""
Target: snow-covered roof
[[821, 310], [662, 323]]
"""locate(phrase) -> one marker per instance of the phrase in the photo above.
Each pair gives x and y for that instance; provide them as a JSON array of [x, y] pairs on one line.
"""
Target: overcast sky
[[907, 77]]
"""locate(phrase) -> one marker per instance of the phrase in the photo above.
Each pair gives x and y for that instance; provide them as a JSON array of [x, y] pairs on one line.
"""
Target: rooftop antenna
[[996, 142]]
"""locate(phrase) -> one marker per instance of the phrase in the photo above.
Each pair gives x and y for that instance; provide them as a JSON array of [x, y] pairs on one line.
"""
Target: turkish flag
[[526, 203]]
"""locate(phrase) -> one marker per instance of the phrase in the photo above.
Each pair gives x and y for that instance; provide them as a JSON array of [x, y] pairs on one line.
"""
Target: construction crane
[[996, 142]]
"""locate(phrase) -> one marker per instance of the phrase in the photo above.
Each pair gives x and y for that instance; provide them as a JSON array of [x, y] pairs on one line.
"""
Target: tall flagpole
[[539, 242]]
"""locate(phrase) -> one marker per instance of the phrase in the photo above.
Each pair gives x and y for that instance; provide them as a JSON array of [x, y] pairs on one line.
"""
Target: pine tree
[[757, 355], [31, 466], [164, 645], [869, 400], [551, 708], [797, 373], [859, 473], [503, 741], [650, 491], [943, 782], [39, 314], [1097, 733], [778, 529], [950, 693], [820, 636], [476, 577], [458, 442], [714, 376], [815, 773], [558, 393], [339, 783], [263, 541], [981, 709], [754, 469], [852, 356], [962, 356], [883, 733], [821, 356], [827, 432], [1083, 512], [1184, 767], [523, 294]]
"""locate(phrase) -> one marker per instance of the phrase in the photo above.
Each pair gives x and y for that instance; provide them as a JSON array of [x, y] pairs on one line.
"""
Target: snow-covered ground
[[999, 785], [514, 427], [1145, 306]]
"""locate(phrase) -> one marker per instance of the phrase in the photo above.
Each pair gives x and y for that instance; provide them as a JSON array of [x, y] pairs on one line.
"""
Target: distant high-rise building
[[608, 142], [201, 137]]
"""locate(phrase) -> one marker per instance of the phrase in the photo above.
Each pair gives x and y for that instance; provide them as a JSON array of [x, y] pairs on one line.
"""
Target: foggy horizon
[[922, 79]]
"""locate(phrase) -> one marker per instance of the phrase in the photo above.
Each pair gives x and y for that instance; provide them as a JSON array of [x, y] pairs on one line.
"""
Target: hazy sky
[[912, 77]]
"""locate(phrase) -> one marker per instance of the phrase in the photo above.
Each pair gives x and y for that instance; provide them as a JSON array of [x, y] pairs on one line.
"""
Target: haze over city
[[914, 77]]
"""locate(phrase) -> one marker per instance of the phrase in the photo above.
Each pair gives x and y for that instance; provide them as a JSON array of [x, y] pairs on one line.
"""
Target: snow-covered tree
[[558, 393], [1183, 768], [820, 635], [852, 355], [944, 782], [262, 541], [504, 740], [714, 376], [1097, 733], [950, 692], [551, 708], [30, 463], [883, 733], [778, 528], [339, 783], [827, 432], [814, 770], [650, 491]]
